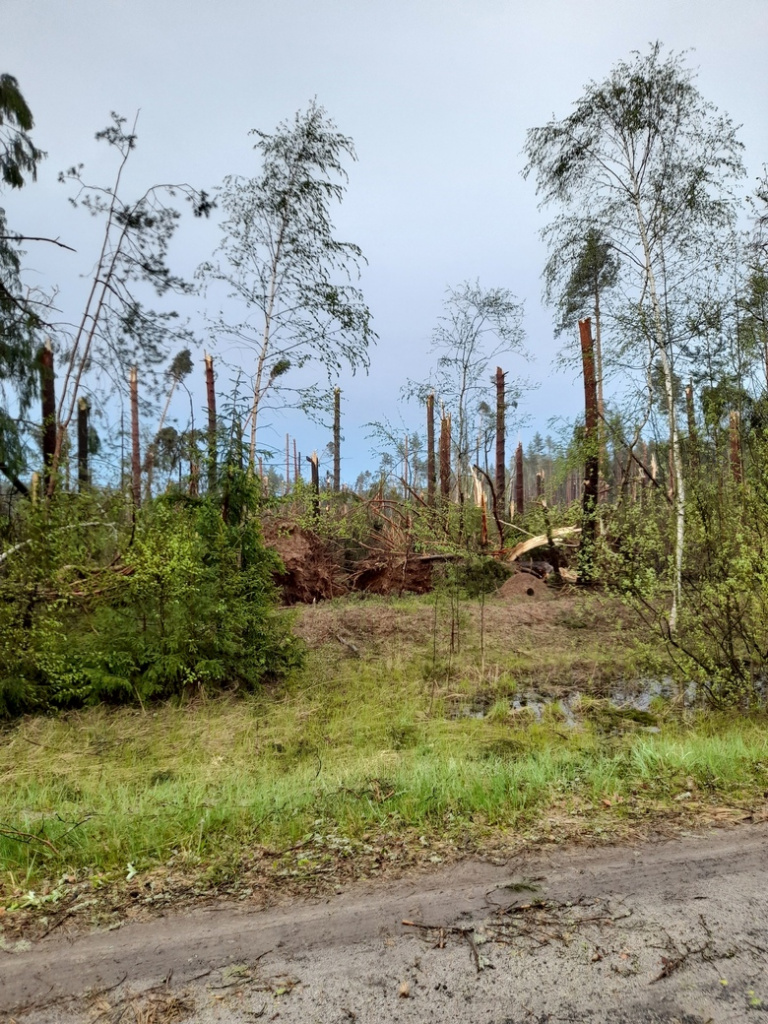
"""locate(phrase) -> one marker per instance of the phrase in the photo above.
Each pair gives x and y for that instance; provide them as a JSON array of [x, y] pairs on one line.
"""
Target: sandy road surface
[[669, 931]]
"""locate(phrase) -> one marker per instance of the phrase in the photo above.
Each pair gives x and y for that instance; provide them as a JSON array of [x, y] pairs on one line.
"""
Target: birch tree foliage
[[654, 164], [281, 262]]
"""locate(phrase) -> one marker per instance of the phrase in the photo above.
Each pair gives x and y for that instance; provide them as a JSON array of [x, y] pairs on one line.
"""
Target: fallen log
[[541, 541]]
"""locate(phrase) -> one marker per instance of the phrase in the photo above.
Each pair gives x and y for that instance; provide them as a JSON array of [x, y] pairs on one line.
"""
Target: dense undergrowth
[[98, 604]]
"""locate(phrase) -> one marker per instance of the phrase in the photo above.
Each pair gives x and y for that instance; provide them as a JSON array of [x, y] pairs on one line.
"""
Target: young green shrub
[[182, 602]]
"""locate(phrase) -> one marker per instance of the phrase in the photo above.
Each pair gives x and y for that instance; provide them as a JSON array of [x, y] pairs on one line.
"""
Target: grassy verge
[[385, 750]]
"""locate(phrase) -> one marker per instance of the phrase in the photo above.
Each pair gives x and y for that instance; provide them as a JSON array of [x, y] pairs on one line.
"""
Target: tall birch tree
[[282, 264], [653, 164]]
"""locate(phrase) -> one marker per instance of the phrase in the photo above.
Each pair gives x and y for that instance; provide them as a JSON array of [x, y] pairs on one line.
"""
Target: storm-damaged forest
[[473, 632]]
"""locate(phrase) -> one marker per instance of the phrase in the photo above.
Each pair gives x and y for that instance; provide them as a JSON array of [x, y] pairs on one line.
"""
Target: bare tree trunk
[[48, 394], [733, 431], [83, 476], [519, 482], [445, 458], [314, 463], [337, 440], [431, 469], [296, 466], [287, 463], [586, 561], [135, 449], [210, 390], [501, 448]]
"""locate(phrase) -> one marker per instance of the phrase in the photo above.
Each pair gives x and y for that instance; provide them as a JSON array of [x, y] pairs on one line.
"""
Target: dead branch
[[349, 644], [26, 837]]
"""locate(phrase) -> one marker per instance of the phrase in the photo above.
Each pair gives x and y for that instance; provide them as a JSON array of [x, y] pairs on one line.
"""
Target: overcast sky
[[437, 95]]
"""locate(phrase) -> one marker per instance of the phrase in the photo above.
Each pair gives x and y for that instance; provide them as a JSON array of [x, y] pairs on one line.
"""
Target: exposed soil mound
[[524, 586], [312, 572]]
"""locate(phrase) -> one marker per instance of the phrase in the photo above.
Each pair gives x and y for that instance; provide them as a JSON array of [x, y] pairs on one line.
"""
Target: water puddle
[[631, 700]]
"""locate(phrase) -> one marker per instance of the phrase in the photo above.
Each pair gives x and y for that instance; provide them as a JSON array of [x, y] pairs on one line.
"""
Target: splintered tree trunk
[[48, 393], [314, 463], [135, 449], [405, 468], [587, 569], [83, 476], [501, 444], [210, 390], [519, 482], [431, 469], [733, 430], [337, 440], [445, 458]]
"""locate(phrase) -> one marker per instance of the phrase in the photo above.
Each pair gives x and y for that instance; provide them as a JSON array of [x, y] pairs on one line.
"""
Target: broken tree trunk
[[210, 390], [135, 449], [519, 482], [586, 560], [48, 394], [431, 469], [337, 440], [501, 456], [735, 445], [83, 476], [445, 458], [314, 463]]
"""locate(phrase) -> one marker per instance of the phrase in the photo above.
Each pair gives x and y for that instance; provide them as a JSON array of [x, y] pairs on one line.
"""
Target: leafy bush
[[720, 642], [94, 607]]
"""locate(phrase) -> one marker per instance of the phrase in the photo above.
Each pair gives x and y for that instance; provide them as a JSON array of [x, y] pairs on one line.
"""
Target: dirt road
[[668, 931]]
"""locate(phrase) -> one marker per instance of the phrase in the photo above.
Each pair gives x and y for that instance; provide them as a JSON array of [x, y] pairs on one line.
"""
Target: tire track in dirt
[[643, 933]]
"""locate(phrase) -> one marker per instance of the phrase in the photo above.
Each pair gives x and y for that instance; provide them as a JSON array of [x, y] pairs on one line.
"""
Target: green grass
[[350, 750]]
